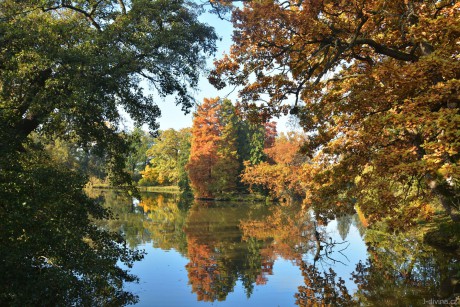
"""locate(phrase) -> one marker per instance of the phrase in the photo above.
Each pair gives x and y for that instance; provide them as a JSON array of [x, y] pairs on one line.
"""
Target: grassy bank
[[162, 189]]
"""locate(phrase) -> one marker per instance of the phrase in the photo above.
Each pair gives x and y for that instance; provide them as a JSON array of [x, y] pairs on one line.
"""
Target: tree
[[282, 174], [373, 83], [227, 167], [137, 159], [203, 152], [256, 143], [169, 149], [68, 65], [66, 69], [214, 166], [51, 252]]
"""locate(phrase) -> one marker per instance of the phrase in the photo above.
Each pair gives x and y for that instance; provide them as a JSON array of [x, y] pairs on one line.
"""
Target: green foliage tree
[[227, 167], [68, 65], [51, 252], [257, 133], [137, 158], [167, 154], [66, 69], [184, 154]]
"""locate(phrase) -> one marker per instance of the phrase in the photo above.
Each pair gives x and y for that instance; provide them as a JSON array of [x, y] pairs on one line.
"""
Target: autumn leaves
[[375, 87]]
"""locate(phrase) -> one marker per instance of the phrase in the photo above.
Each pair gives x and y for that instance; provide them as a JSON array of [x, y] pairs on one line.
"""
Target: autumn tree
[[375, 86], [282, 173], [203, 152], [222, 140], [213, 166], [170, 148]]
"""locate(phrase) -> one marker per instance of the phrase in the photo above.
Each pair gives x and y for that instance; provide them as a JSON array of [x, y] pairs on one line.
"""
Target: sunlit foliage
[[282, 172], [374, 84], [167, 156]]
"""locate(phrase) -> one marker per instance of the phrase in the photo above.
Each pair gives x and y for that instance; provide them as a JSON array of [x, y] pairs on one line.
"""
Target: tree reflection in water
[[218, 256], [226, 243], [400, 271]]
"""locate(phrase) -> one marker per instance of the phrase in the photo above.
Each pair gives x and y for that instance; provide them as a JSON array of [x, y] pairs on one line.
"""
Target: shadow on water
[[276, 255]]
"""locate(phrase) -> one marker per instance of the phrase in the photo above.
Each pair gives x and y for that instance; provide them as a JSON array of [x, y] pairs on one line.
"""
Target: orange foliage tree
[[203, 152], [281, 174], [374, 83], [213, 164]]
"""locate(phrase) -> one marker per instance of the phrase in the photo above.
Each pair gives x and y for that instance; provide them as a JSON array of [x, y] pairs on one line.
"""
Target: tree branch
[[87, 15], [382, 49], [122, 6]]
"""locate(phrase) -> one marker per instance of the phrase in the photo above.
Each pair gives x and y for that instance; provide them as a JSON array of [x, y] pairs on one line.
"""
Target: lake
[[257, 254]]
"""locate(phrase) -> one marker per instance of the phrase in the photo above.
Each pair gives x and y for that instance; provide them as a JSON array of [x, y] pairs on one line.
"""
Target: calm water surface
[[249, 254]]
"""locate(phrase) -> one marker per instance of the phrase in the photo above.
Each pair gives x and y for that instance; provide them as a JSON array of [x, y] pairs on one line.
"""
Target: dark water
[[249, 254]]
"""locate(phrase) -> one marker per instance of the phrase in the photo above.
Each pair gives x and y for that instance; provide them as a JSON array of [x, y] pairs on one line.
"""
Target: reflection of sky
[[164, 282], [164, 279], [355, 252]]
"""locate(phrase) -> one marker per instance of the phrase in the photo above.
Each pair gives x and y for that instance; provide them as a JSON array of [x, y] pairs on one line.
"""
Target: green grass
[[164, 189]]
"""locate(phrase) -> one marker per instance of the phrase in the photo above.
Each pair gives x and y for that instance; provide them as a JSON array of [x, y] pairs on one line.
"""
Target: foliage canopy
[[67, 69], [375, 85]]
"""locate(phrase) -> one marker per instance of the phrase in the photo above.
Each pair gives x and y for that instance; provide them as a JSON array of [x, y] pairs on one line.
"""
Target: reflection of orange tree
[[292, 234], [267, 262], [205, 276], [287, 228], [218, 255]]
